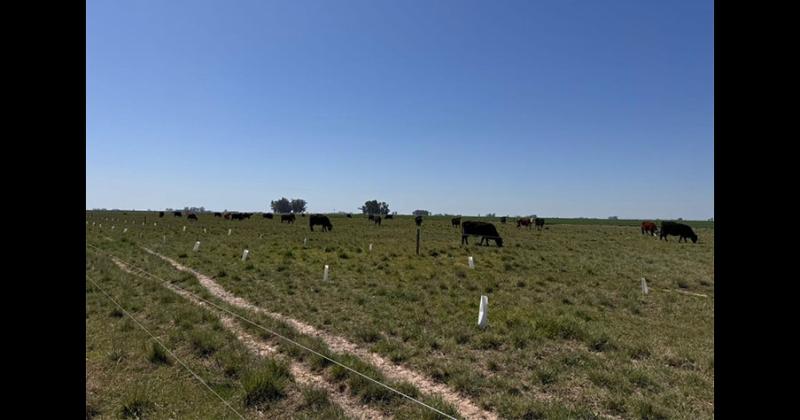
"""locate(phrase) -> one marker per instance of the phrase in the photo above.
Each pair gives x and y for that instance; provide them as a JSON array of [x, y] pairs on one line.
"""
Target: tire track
[[301, 373], [465, 407]]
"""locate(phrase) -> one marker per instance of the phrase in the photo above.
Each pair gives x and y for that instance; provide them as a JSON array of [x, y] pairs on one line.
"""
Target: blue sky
[[556, 108]]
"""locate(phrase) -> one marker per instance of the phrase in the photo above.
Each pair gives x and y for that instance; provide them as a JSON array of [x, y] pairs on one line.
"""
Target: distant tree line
[[374, 207], [284, 205]]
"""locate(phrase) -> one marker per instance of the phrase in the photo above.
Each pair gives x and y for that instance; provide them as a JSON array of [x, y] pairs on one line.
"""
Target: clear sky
[[557, 108]]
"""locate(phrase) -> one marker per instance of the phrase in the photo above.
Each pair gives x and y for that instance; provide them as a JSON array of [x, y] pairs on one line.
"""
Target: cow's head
[[693, 238], [499, 242]]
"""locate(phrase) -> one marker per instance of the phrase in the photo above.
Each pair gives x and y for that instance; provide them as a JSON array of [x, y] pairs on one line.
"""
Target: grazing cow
[[371, 217], [456, 221], [388, 216], [227, 216], [268, 215], [524, 222], [349, 216], [377, 220], [176, 213], [320, 219], [539, 223], [288, 218], [503, 220], [677, 229], [192, 216], [485, 230], [418, 220], [161, 214], [217, 214], [650, 228]]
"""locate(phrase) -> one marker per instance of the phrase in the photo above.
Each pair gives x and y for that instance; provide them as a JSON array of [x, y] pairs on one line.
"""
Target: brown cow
[[524, 222], [650, 228]]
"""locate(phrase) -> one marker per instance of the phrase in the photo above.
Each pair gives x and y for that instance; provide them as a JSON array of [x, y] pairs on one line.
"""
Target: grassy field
[[570, 333], [130, 375]]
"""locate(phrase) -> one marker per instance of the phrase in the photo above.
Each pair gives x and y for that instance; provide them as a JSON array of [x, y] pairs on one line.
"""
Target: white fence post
[[483, 312]]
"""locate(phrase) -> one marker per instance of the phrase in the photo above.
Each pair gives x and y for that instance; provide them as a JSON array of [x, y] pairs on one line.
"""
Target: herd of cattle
[[487, 231]]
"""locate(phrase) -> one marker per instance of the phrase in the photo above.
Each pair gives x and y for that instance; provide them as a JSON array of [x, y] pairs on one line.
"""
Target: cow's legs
[[464, 240]]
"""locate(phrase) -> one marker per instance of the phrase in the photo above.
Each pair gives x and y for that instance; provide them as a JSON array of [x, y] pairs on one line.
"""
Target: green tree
[[374, 207], [298, 205], [281, 206]]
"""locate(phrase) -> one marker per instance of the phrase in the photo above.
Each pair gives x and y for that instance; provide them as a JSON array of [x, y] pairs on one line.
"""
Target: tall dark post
[[417, 240]]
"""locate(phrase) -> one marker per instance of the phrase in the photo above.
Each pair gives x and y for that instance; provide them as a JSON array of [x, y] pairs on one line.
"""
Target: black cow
[[176, 213], [539, 223], [503, 220], [320, 219], [485, 230], [677, 229], [192, 216], [371, 217], [217, 214], [418, 220], [161, 214], [377, 220], [246, 215], [237, 216], [349, 216], [302, 215], [288, 218], [268, 215], [388, 216], [456, 221]]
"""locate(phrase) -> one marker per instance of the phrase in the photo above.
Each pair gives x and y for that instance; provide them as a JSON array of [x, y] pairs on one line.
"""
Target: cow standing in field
[[677, 229], [503, 220], [161, 214], [192, 216], [456, 221], [268, 215], [539, 223], [320, 219], [485, 230], [649, 227], [524, 222], [288, 218], [349, 216], [226, 216], [176, 214], [217, 214], [371, 217], [377, 220], [388, 216], [418, 220]]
